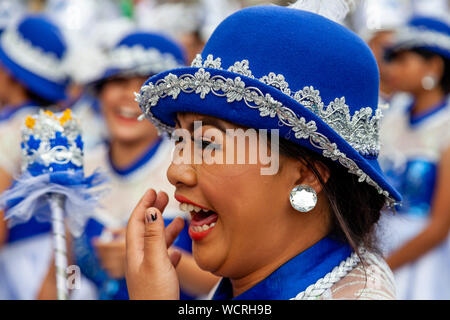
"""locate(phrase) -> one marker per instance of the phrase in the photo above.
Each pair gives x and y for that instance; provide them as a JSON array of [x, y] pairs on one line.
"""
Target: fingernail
[[150, 215]]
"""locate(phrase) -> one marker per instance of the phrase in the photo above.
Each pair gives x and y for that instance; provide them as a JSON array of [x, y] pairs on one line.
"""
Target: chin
[[207, 259]]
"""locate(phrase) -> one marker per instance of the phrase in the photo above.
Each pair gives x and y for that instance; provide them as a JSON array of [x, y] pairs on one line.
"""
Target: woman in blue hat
[[298, 226], [416, 157], [133, 157], [32, 76]]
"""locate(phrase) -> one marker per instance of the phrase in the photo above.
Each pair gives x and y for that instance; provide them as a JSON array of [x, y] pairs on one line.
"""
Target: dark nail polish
[[154, 216]]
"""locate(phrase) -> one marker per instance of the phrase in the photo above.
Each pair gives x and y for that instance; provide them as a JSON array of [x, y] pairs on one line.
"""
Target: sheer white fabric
[[372, 281]]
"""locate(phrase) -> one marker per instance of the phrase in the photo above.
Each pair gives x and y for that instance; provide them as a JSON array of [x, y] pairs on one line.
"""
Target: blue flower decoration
[[79, 142], [59, 140], [33, 144]]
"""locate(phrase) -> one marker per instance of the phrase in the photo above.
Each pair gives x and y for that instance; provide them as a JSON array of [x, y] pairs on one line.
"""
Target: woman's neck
[[426, 100], [124, 154], [312, 233]]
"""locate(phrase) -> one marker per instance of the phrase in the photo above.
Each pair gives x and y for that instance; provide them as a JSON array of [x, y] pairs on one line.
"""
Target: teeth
[[187, 207], [183, 207], [128, 113], [203, 227]]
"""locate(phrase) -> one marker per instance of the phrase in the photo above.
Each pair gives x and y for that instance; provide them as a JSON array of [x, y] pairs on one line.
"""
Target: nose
[[182, 175]]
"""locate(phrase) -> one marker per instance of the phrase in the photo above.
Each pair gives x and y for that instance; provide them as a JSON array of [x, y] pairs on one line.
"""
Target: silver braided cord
[[315, 290]]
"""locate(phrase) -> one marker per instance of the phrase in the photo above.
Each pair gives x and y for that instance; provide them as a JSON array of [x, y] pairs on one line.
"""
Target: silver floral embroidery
[[361, 130], [277, 81], [357, 130], [241, 67]]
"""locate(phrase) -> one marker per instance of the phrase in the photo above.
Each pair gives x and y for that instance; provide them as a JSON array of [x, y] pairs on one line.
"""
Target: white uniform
[[410, 155]]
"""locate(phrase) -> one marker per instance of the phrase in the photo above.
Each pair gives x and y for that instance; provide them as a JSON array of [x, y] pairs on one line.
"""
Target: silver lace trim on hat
[[140, 60], [410, 37], [32, 58], [360, 130]]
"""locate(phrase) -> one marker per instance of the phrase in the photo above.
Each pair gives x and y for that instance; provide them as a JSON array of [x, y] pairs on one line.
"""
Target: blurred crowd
[[92, 55]]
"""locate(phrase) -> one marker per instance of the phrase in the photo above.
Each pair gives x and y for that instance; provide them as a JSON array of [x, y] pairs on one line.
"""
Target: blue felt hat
[[33, 51], [143, 53], [428, 33], [270, 67]]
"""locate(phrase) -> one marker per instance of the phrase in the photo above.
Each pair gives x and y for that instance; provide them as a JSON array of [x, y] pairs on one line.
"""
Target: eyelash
[[199, 142], [205, 143]]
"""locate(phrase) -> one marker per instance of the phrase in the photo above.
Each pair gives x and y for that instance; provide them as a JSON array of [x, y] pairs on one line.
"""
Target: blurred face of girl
[[121, 111], [6, 86], [247, 220], [406, 70]]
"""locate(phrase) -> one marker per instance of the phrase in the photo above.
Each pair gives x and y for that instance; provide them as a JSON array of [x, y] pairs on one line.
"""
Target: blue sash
[[294, 276], [27, 230]]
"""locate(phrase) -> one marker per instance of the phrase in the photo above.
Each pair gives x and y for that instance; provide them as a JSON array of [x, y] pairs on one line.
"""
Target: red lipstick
[[186, 200]]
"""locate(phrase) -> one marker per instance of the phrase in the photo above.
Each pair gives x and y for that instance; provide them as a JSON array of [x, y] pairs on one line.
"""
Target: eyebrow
[[205, 122]]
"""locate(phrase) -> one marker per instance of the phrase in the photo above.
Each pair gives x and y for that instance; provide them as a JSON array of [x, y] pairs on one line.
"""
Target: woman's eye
[[177, 139], [203, 144]]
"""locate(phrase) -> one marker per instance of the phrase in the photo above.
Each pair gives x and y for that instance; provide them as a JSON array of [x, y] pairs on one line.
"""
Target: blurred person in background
[[415, 154], [375, 21], [90, 28], [32, 76], [191, 22], [134, 158]]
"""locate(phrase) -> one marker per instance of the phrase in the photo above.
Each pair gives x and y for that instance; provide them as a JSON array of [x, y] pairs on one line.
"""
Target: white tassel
[[335, 10]]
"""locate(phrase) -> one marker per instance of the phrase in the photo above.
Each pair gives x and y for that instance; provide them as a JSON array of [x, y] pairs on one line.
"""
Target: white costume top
[[374, 281], [411, 149]]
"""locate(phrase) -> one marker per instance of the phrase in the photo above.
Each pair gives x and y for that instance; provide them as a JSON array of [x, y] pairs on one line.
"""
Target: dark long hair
[[355, 206]]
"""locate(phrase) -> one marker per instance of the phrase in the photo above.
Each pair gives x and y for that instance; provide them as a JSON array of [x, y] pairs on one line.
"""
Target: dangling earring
[[303, 198], [428, 82]]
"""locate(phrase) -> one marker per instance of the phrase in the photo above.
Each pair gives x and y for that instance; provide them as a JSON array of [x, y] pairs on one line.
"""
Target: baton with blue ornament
[[52, 186]]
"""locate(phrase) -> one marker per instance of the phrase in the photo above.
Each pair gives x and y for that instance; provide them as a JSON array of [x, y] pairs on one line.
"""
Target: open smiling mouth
[[203, 220]]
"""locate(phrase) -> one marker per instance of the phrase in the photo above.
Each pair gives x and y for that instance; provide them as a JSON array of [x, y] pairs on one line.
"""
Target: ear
[[309, 174], [436, 67]]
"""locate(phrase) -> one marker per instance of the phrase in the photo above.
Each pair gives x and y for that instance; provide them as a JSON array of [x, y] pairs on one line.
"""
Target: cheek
[[108, 98]]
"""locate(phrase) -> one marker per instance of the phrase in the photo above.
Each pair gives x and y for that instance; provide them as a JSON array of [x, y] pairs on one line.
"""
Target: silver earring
[[428, 82], [303, 198]]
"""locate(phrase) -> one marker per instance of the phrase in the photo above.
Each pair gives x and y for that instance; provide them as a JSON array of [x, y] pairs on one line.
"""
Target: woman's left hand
[[151, 270]]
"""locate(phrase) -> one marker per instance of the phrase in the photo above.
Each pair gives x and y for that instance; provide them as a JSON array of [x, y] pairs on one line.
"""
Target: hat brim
[[116, 72], [42, 87], [405, 46], [238, 112]]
